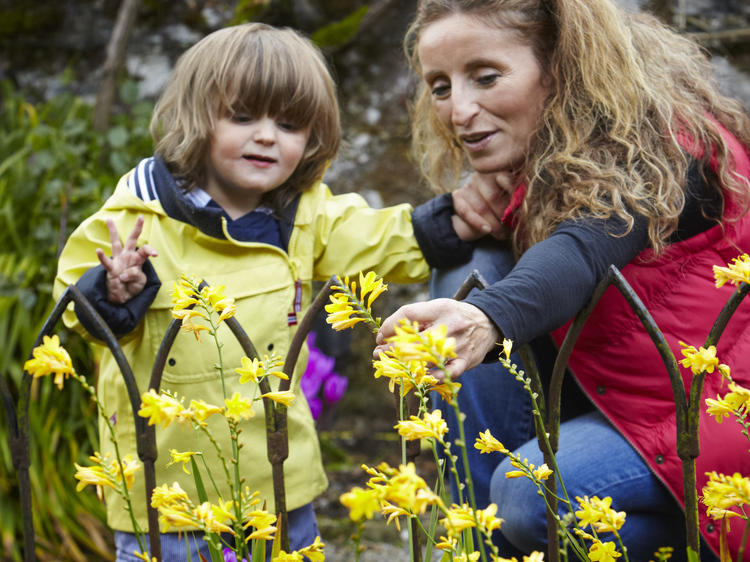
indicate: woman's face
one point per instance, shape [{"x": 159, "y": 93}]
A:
[{"x": 487, "y": 87}]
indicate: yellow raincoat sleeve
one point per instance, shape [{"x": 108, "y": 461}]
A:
[{"x": 351, "y": 237}]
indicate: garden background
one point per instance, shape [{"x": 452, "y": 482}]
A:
[{"x": 58, "y": 162}]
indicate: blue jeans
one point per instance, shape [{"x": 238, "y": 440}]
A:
[
  {"x": 490, "y": 397},
  {"x": 302, "y": 532},
  {"x": 594, "y": 460}
]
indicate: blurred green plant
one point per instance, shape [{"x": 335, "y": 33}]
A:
[{"x": 54, "y": 171}]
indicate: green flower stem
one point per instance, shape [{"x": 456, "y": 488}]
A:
[
  {"x": 469, "y": 482},
  {"x": 236, "y": 489},
  {"x": 123, "y": 488}
]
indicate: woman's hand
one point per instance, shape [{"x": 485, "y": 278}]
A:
[
  {"x": 480, "y": 205},
  {"x": 125, "y": 277},
  {"x": 473, "y": 331}
]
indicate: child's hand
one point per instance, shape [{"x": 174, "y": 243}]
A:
[
  {"x": 125, "y": 277},
  {"x": 480, "y": 204}
]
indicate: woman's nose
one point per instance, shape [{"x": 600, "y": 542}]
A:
[{"x": 464, "y": 107}]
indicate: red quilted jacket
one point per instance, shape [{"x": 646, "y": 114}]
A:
[{"x": 620, "y": 369}]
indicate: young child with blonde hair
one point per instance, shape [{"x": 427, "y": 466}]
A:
[{"x": 243, "y": 132}]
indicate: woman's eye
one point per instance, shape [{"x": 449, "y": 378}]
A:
[
  {"x": 441, "y": 90},
  {"x": 488, "y": 79}
]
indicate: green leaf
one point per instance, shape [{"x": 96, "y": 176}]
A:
[
  {"x": 117, "y": 137},
  {"x": 339, "y": 32}
]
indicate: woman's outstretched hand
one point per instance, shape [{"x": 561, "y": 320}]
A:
[
  {"x": 125, "y": 277},
  {"x": 473, "y": 331},
  {"x": 480, "y": 205}
]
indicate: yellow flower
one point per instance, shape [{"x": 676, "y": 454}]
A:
[
  {"x": 408, "y": 490},
  {"x": 472, "y": 557},
  {"x": 162, "y": 408},
  {"x": 184, "y": 458},
  {"x": 507, "y": 347},
  {"x": 599, "y": 514},
  {"x": 723, "y": 493},
  {"x": 447, "y": 543},
  {"x": 284, "y": 397},
  {"x": 362, "y": 503},
  {"x": 238, "y": 407},
  {"x": 603, "y": 552},
  {"x": 183, "y": 294},
  {"x": 213, "y": 518},
  {"x": 315, "y": 551},
  {"x": 255, "y": 369},
  {"x": 393, "y": 512},
  {"x": 736, "y": 401},
  {"x": 735, "y": 273},
  {"x": 201, "y": 410},
  {"x": 214, "y": 297},
  {"x": 50, "y": 358},
  {"x": 543, "y": 472},
  {"x": 486, "y": 518},
  {"x": 431, "y": 425},
  {"x": 176, "y": 515},
  {"x": 144, "y": 556},
  {"x": 340, "y": 312},
  {"x": 448, "y": 390},
  {"x": 486, "y": 443},
  {"x": 699, "y": 360},
  {"x": 251, "y": 370},
  {"x": 106, "y": 473},
  {"x": 283, "y": 556},
  {"x": 534, "y": 557},
  {"x": 165, "y": 495},
  {"x": 457, "y": 519},
  {"x": 396, "y": 371},
  {"x": 373, "y": 285},
  {"x": 263, "y": 522},
  {"x": 431, "y": 346},
  {"x": 93, "y": 475},
  {"x": 188, "y": 322}
]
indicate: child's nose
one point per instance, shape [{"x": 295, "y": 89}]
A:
[{"x": 264, "y": 131}]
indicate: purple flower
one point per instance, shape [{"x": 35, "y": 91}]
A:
[
  {"x": 316, "y": 406},
  {"x": 230, "y": 556},
  {"x": 334, "y": 388}
]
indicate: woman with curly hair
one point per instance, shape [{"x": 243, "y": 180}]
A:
[{"x": 590, "y": 136}]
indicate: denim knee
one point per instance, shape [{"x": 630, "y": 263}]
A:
[{"x": 522, "y": 508}]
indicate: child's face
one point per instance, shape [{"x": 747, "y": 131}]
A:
[{"x": 250, "y": 157}]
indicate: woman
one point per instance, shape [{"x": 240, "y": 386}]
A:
[{"x": 587, "y": 129}]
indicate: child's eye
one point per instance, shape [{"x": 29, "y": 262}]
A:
[
  {"x": 241, "y": 118},
  {"x": 287, "y": 126}
]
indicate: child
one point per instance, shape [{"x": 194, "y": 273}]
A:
[{"x": 244, "y": 131}]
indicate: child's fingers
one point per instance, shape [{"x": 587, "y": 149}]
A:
[
  {"x": 105, "y": 260},
  {"x": 131, "y": 274},
  {"x": 131, "y": 243},
  {"x": 146, "y": 252},
  {"x": 114, "y": 238}
]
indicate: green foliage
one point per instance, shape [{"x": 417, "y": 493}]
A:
[
  {"x": 54, "y": 172},
  {"x": 339, "y": 32}
]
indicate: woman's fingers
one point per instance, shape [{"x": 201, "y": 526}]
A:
[{"x": 473, "y": 332}]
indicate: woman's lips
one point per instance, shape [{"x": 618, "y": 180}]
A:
[{"x": 478, "y": 141}]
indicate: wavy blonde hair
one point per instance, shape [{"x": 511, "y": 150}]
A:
[
  {"x": 253, "y": 69},
  {"x": 623, "y": 87}
]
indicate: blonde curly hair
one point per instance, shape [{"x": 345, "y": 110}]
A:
[
  {"x": 253, "y": 69},
  {"x": 624, "y": 87}
]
